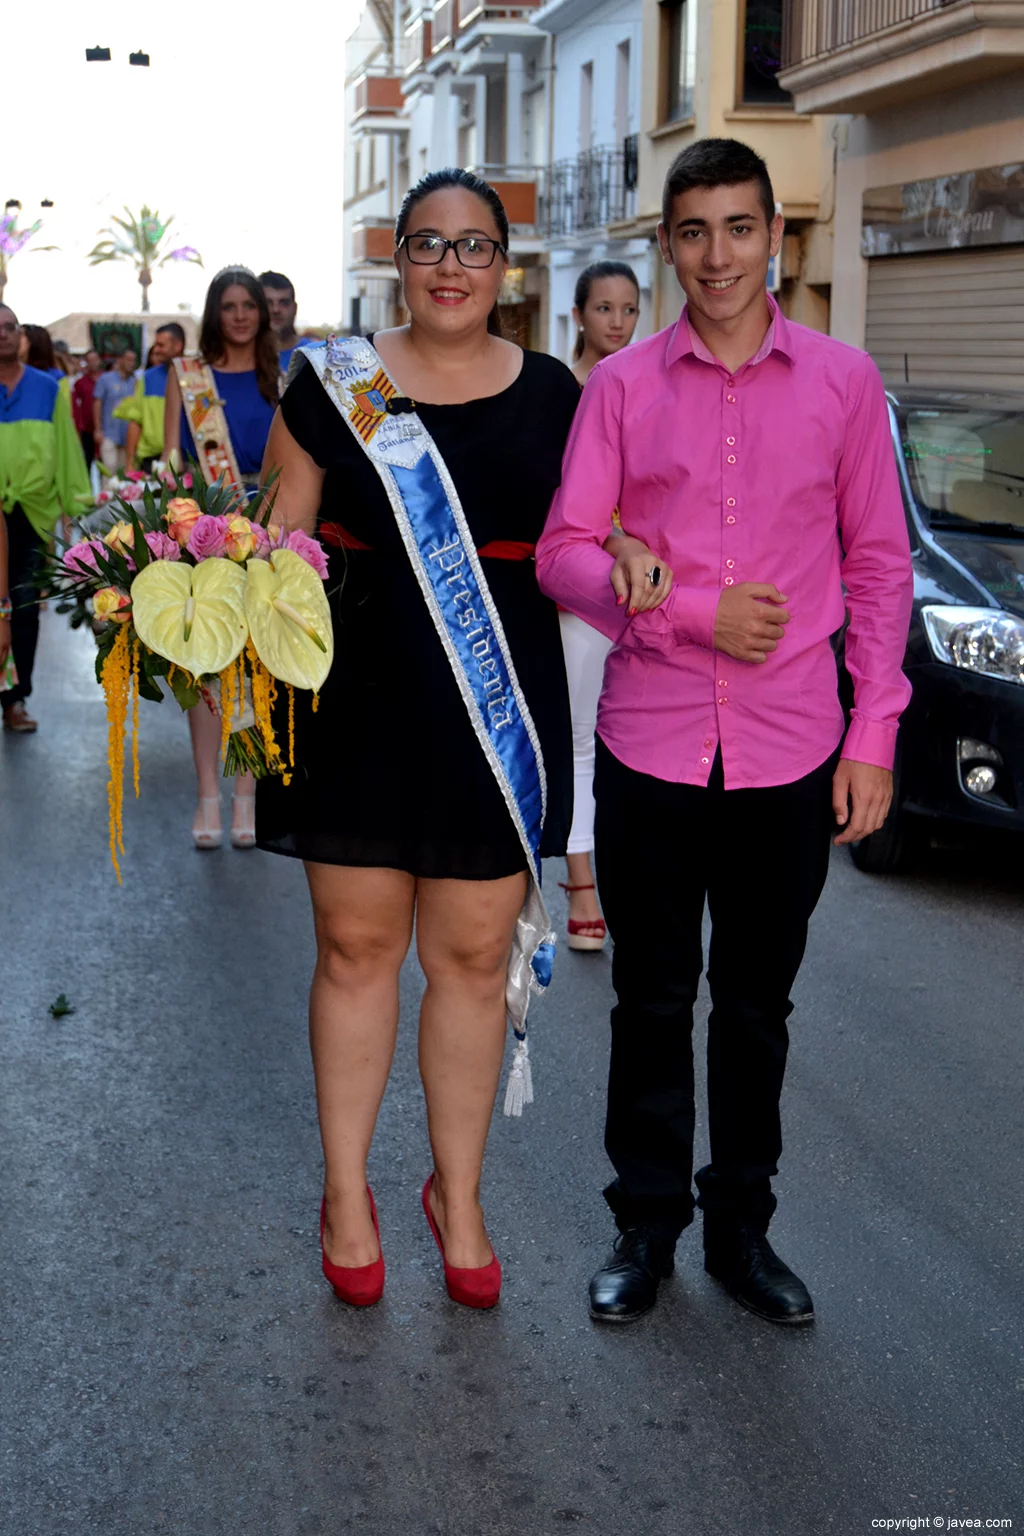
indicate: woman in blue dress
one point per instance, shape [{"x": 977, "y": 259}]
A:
[{"x": 237, "y": 343}]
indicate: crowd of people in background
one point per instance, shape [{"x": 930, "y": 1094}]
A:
[{"x": 63, "y": 413}]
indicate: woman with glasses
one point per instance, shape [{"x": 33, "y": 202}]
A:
[{"x": 395, "y": 807}]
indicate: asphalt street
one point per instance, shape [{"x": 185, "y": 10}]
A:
[{"x": 172, "y": 1360}]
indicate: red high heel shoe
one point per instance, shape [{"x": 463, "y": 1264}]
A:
[
  {"x": 469, "y": 1287},
  {"x": 360, "y": 1285}
]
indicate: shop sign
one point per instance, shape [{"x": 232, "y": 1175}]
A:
[{"x": 946, "y": 213}]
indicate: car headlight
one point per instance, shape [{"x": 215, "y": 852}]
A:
[{"x": 985, "y": 640}]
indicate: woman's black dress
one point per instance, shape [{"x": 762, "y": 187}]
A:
[{"x": 388, "y": 770}]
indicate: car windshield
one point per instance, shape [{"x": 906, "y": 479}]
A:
[{"x": 966, "y": 467}]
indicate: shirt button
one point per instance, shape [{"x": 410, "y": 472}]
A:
[
  {"x": 731, "y": 459},
  {"x": 730, "y": 519},
  {"x": 704, "y": 759},
  {"x": 731, "y": 441},
  {"x": 707, "y": 743},
  {"x": 729, "y": 564},
  {"x": 728, "y": 581},
  {"x": 722, "y": 683},
  {"x": 731, "y": 501},
  {"x": 723, "y": 701},
  {"x": 731, "y": 399}
]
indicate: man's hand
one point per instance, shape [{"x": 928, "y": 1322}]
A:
[
  {"x": 750, "y": 620},
  {"x": 869, "y": 790},
  {"x": 628, "y": 575}
]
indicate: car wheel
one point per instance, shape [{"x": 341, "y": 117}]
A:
[{"x": 885, "y": 851}]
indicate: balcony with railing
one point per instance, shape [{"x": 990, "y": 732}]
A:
[
  {"x": 464, "y": 24},
  {"x": 379, "y": 102},
  {"x": 591, "y": 190},
  {"x": 522, "y": 191},
  {"x": 862, "y": 55},
  {"x": 373, "y": 241},
  {"x": 417, "y": 44}
]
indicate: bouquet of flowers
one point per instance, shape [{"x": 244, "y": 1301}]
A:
[{"x": 194, "y": 589}]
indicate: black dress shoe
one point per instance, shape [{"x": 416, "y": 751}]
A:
[
  {"x": 752, "y": 1272},
  {"x": 626, "y": 1285}
]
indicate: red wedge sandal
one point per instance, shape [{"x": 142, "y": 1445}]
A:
[{"x": 585, "y": 935}]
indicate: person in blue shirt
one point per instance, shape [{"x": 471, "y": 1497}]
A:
[
  {"x": 280, "y": 297},
  {"x": 109, "y": 431},
  {"x": 237, "y": 344}
]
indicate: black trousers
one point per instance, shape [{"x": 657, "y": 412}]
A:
[
  {"x": 760, "y": 858},
  {"x": 25, "y": 552}
]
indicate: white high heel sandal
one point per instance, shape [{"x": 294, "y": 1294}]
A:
[
  {"x": 204, "y": 835},
  {"x": 243, "y": 835}
]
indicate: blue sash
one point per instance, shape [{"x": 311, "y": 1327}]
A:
[{"x": 443, "y": 556}]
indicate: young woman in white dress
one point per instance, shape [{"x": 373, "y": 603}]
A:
[{"x": 607, "y": 308}]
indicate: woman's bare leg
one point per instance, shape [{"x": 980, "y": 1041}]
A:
[
  {"x": 464, "y": 931},
  {"x": 363, "y": 920}
]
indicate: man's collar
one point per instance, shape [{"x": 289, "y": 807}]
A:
[{"x": 778, "y": 338}]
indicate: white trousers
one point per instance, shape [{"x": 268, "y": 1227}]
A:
[{"x": 585, "y": 651}]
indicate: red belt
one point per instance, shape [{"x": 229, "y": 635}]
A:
[{"x": 497, "y": 549}]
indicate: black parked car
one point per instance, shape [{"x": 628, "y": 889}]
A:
[{"x": 960, "y": 756}]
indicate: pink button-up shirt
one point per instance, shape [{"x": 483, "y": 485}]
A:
[{"x": 780, "y": 472}]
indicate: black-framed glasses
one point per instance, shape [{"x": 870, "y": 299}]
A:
[{"x": 431, "y": 250}]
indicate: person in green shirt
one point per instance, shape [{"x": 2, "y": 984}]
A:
[
  {"x": 42, "y": 474},
  {"x": 144, "y": 410}
]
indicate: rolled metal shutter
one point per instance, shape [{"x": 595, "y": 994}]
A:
[{"x": 954, "y": 318}]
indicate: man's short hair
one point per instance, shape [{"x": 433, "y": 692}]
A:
[
  {"x": 716, "y": 163},
  {"x": 10, "y": 311},
  {"x": 277, "y": 280},
  {"x": 172, "y": 328}
]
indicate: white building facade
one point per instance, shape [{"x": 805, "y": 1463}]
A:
[{"x": 592, "y": 176}]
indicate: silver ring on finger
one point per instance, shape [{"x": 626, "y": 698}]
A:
[{"x": 654, "y": 575}]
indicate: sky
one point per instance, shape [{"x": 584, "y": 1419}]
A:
[{"x": 237, "y": 129}]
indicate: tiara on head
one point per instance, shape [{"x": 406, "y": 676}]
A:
[{"x": 235, "y": 266}]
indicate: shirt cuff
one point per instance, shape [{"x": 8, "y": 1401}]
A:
[{"x": 870, "y": 741}]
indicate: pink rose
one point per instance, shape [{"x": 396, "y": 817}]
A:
[
  {"x": 162, "y": 546},
  {"x": 102, "y": 498},
  {"x": 208, "y": 538},
  {"x": 132, "y": 492},
  {"x": 169, "y": 480},
  {"x": 135, "y": 474},
  {"x": 260, "y": 542},
  {"x": 80, "y": 560},
  {"x": 310, "y": 550}
]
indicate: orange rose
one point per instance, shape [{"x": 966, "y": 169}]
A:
[
  {"x": 111, "y": 604},
  {"x": 182, "y": 515}
]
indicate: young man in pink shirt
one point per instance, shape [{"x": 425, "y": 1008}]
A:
[{"x": 752, "y": 465}]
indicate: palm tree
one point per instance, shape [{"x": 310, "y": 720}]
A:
[
  {"x": 141, "y": 241},
  {"x": 13, "y": 239}
]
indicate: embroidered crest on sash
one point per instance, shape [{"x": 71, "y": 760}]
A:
[
  {"x": 204, "y": 412},
  {"x": 369, "y": 403}
]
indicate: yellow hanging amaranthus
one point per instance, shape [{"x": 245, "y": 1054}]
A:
[
  {"x": 264, "y": 696},
  {"x": 136, "y": 654},
  {"x": 228, "y": 686},
  {"x": 116, "y": 677}
]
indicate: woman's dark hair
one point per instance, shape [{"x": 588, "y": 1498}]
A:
[
  {"x": 440, "y": 181},
  {"x": 211, "y": 335},
  {"x": 586, "y": 280},
  {"x": 40, "y": 347},
  {"x": 716, "y": 163}
]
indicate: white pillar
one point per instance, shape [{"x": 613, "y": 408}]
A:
[
  {"x": 514, "y": 76},
  {"x": 440, "y": 127}
]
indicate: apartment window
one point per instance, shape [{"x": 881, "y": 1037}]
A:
[
  {"x": 622, "y": 73},
  {"x": 679, "y": 21},
  {"x": 586, "y": 107},
  {"x": 761, "y": 57}
]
